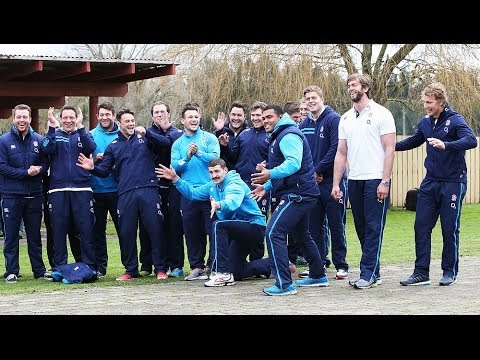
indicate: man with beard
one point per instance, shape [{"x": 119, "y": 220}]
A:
[
  {"x": 366, "y": 138},
  {"x": 248, "y": 149},
  {"x": 227, "y": 133},
  {"x": 105, "y": 191}
]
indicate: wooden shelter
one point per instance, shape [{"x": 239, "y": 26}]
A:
[{"x": 44, "y": 81}]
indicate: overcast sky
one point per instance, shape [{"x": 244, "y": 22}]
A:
[{"x": 33, "y": 49}]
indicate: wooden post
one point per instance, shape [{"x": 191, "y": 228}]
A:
[
  {"x": 92, "y": 111},
  {"x": 35, "y": 121}
]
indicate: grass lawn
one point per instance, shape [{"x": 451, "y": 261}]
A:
[{"x": 398, "y": 246}]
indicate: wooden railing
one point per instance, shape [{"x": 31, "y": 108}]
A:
[{"x": 408, "y": 172}]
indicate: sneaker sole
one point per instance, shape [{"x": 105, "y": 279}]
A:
[
  {"x": 418, "y": 283},
  {"x": 341, "y": 277},
  {"x": 365, "y": 287},
  {"x": 219, "y": 285},
  {"x": 314, "y": 285},
  {"x": 291, "y": 292},
  {"x": 197, "y": 278},
  {"x": 444, "y": 284}
]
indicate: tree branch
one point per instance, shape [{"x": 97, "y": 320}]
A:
[{"x": 350, "y": 67}]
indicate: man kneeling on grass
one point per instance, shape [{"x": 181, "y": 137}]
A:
[{"x": 241, "y": 225}]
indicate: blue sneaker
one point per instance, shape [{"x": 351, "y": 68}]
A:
[
  {"x": 56, "y": 276},
  {"x": 274, "y": 290},
  {"x": 177, "y": 273},
  {"x": 308, "y": 281}
]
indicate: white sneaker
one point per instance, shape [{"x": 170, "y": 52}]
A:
[
  {"x": 220, "y": 279},
  {"x": 341, "y": 274},
  {"x": 11, "y": 279}
]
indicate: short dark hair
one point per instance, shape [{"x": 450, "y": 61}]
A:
[
  {"x": 217, "y": 161},
  {"x": 238, "y": 104},
  {"x": 68, "y": 107},
  {"x": 22, "y": 107},
  {"x": 107, "y": 106},
  {"x": 276, "y": 108},
  {"x": 291, "y": 107},
  {"x": 124, "y": 111},
  {"x": 189, "y": 106}
]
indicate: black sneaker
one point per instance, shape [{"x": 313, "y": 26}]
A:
[
  {"x": 447, "y": 280},
  {"x": 416, "y": 279},
  {"x": 45, "y": 276},
  {"x": 301, "y": 261}
]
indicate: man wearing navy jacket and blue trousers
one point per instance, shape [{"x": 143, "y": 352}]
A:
[
  {"x": 70, "y": 197},
  {"x": 22, "y": 164},
  {"x": 289, "y": 175},
  {"x": 132, "y": 155},
  {"x": 447, "y": 136},
  {"x": 321, "y": 131}
]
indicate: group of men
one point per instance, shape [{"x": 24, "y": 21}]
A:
[{"x": 289, "y": 166}]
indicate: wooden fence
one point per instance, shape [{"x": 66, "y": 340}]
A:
[{"x": 408, "y": 172}]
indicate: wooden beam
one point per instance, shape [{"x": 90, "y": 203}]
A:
[
  {"x": 40, "y": 102},
  {"x": 148, "y": 74},
  {"x": 15, "y": 71},
  {"x": 62, "y": 73},
  {"x": 5, "y": 113},
  {"x": 19, "y": 88},
  {"x": 109, "y": 73}
]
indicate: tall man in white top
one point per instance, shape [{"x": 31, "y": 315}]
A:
[{"x": 366, "y": 138}]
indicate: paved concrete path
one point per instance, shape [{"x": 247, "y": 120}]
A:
[{"x": 246, "y": 297}]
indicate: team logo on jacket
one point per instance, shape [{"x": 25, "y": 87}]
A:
[
  {"x": 35, "y": 143},
  {"x": 13, "y": 146},
  {"x": 158, "y": 205},
  {"x": 321, "y": 132},
  {"x": 35, "y": 150},
  {"x": 447, "y": 122}
]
